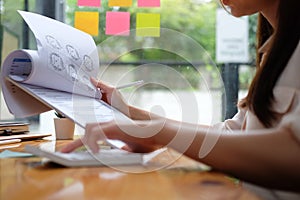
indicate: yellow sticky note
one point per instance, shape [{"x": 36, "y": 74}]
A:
[
  {"x": 148, "y": 24},
  {"x": 87, "y": 22},
  {"x": 121, "y": 3}
]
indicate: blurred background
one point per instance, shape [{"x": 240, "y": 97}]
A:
[{"x": 184, "y": 67}]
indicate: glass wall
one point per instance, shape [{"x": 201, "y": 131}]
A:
[{"x": 12, "y": 36}]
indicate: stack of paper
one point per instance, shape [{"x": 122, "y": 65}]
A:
[{"x": 13, "y": 128}]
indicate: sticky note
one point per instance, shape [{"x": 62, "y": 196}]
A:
[
  {"x": 117, "y": 23},
  {"x": 90, "y": 3},
  {"x": 148, "y": 3},
  {"x": 87, "y": 22},
  {"x": 120, "y": 3},
  {"x": 148, "y": 24}
]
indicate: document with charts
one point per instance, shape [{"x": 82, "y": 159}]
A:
[{"x": 65, "y": 60}]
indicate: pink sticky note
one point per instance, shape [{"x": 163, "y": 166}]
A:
[
  {"x": 148, "y": 3},
  {"x": 91, "y": 3},
  {"x": 117, "y": 23}
]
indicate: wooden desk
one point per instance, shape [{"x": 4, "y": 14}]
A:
[{"x": 30, "y": 178}]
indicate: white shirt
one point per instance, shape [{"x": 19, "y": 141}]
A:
[{"x": 287, "y": 104}]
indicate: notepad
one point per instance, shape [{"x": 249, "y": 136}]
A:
[
  {"x": 12, "y": 128},
  {"x": 85, "y": 158},
  {"x": 25, "y": 136}
]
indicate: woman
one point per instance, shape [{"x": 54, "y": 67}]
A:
[{"x": 266, "y": 129}]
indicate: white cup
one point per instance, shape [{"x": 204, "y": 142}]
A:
[{"x": 64, "y": 129}]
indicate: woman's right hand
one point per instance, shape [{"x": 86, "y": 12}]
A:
[
  {"x": 139, "y": 136},
  {"x": 111, "y": 96}
]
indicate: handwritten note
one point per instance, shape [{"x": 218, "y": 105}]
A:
[
  {"x": 148, "y": 3},
  {"x": 117, "y": 23},
  {"x": 148, "y": 24},
  {"x": 87, "y": 22},
  {"x": 90, "y": 3},
  {"x": 120, "y": 3}
]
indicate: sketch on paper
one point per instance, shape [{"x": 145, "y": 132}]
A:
[
  {"x": 72, "y": 52},
  {"x": 64, "y": 60},
  {"x": 88, "y": 63},
  {"x": 53, "y": 42},
  {"x": 72, "y": 73},
  {"x": 56, "y": 62}
]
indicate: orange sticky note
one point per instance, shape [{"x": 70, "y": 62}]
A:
[
  {"x": 90, "y": 3},
  {"x": 121, "y": 3},
  {"x": 87, "y": 22},
  {"x": 117, "y": 23},
  {"x": 148, "y": 24}
]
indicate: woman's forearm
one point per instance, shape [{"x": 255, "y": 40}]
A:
[
  {"x": 252, "y": 156},
  {"x": 140, "y": 114}
]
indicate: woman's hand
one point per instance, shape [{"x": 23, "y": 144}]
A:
[
  {"x": 139, "y": 136},
  {"x": 111, "y": 96}
]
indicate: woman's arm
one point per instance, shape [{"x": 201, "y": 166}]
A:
[{"x": 269, "y": 157}]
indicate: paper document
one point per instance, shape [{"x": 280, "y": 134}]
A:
[
  {"x": 85, "y": 158},
  {"x": 12, "y": 128},
  {"x": 81, "y": 109},
  {"x": 65, "y": 60},
  {"x": 56, "y": 75}
]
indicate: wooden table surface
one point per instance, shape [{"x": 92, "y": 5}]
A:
[{"x": 167, "y": 176}]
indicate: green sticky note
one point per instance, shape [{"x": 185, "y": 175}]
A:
[{"x": 148, "y": 24}]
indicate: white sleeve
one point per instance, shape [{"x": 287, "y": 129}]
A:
[
  {"x": 234, "y": 123},
  {"x": 292, "y": 121}
]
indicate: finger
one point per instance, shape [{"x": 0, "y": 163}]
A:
[
  {"x": 72, "y": 146},
  {"x": 94, "y": 81},
  {"x": 99, "y": 84},
  {"x": 127, "y": 148},
  {"x": 92, "y": 136}
]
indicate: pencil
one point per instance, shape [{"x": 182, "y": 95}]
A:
[{"x": 136, "y": 83}]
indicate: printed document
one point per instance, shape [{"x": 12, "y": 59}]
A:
[
  {"x": 65, "y": 60},
  {"x": 56, "y": 75}
]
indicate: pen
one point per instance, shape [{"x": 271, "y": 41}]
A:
[
  {"x": 136, "y": 83},
  {"x": 9, "y": 141}
]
